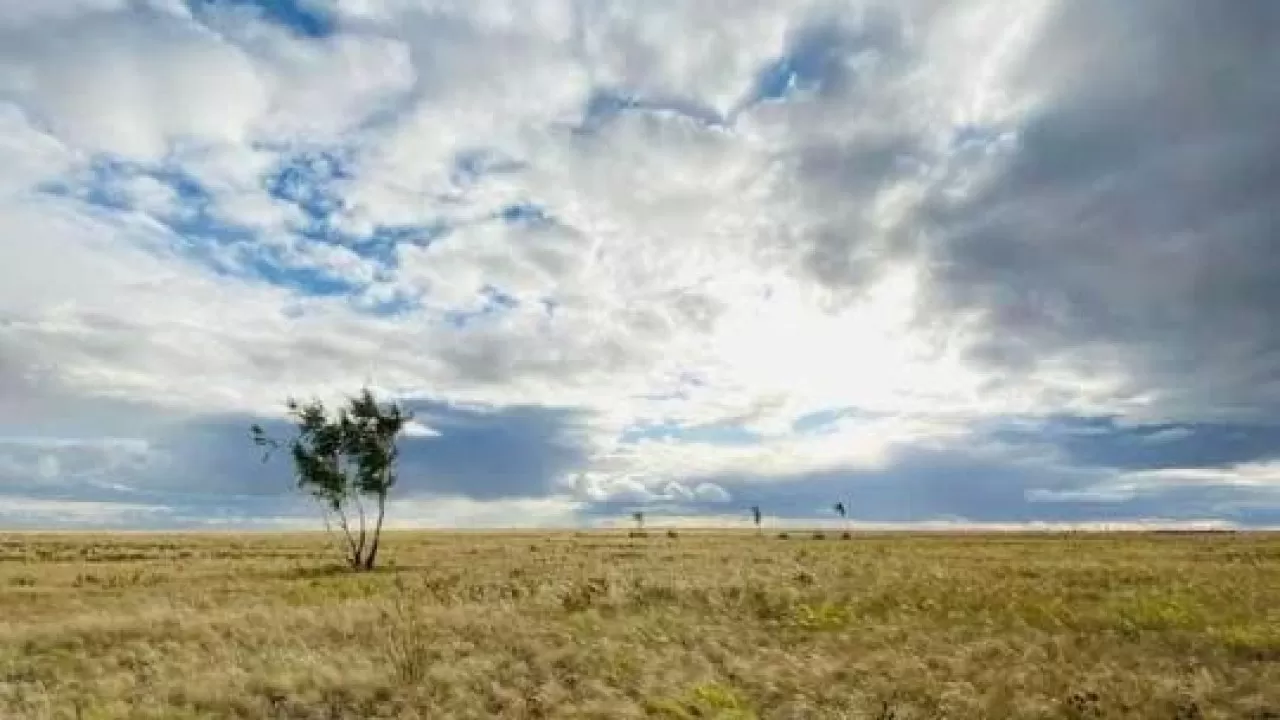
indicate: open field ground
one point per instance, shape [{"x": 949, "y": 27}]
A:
[{"x": 601, "y": 625}]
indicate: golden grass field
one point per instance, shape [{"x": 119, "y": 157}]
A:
[{"x": 601, "y": 625}]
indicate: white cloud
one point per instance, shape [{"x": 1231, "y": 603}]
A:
[
  {"x": 110, "y": 95},
  {"x": 16, "y": 511},
  {"x": 416, "y": 429},
  {"x": 710, "y": 492},
  {"x": 848, "y": 444},
  {"x": 17, "y": 15},
  {"x": 634, "y": 292},
  {"x": 696, "y": 256},
  {"x": 452, "y": 512},
  {"x": 635, "y": 489}
]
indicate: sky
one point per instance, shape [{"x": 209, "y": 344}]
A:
[{"x": 949, "y": 263}]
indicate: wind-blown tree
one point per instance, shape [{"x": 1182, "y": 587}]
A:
[
  {"x": 638, "y": 518},
  {"x": 756, "y": 516},
  {"x": 345, "y": 459}
]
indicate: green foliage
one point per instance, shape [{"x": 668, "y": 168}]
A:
[
  {"x": 710, "y": 700},
  {"x": 825, "y": 615},
  {"x": 343, "y": 459}
]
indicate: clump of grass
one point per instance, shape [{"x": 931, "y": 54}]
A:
[
  {"x": 406, "y": 646},
  {"x": 647, "y": 594},
  {"x": 1084, "y": 705},
  {"x": 709, "y": 700},
  {"x": 822, "y": 616},
  {"x": 585, "y": 594}
]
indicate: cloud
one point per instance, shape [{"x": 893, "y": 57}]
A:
[
  {"x": 1128, "y": 228},
  {"x": 108, "y": 96},
  {"x": 711, "y": 493},
  {"x": 26, "y": 513},
  {"x": 1104, "y": 442},
  {"x": 991, "y": 261}
]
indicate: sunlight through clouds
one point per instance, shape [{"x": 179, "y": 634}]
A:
[{"x": 670, "y": 255}]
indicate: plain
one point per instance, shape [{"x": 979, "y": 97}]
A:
[{"x": 669, "y": 625}]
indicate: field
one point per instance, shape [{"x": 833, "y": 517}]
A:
[{"x": 602, "y": 625}]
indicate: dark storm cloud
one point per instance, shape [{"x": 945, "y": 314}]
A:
[
  {"x": 918, "y": 485},
  {"x": 209, "y": 465},
  {"x": 514, "y": 452},
  {"x": 1133, "y": 220},
  {"x": 1102, "y": 442},
  {"x": 1001, "y": 485},
  {"x": 849, "y": 68},
  {"x": 1138, "y": 212}
]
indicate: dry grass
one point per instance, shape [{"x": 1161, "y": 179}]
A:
[{"x": 603, "y": 625}]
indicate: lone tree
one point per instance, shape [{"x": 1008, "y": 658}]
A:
[
  {"x": 841, "y": 511},
  {"x": 756, "y": 516},
  {"x": 638, "y": 517},
  {"x": 345, "y": 459}
]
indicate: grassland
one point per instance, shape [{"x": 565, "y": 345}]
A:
[{"x": 606, "y": 626}]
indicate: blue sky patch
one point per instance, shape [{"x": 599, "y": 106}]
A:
[
  {"x": 302, "y": 17},
  {"x": 810, "y": 63},
  {"x": 712, "y": 434},
  {"x": 524, "y": 214},
  {"x": 606, "y": 104},
  {"x": 816, "y": 422},
  {"x": 308, "y": 180},
  {"x": 103, "y": 183},
  {"x": 311, "y": 181}
]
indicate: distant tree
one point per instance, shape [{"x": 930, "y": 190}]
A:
[
  {"x": 344, "y": 459},
  {"x": 843, "y": 512},
  {"x": 756, "y": 516},
  {"x": 638, "y": 518}
]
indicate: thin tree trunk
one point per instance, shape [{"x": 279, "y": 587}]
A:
[
  {"x": 335, "y": 461},
  {"x": 328, "y": 526},
  {"x": 363, "y": 523},
  {"x": 354, "y": 554},
  {"x": 372, "y": 557}
]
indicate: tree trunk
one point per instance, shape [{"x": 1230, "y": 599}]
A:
[
  {"x": 353, "y": 554},
  {"x": 360, "y": 544},
  {"x": 372, "y": 557}
]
